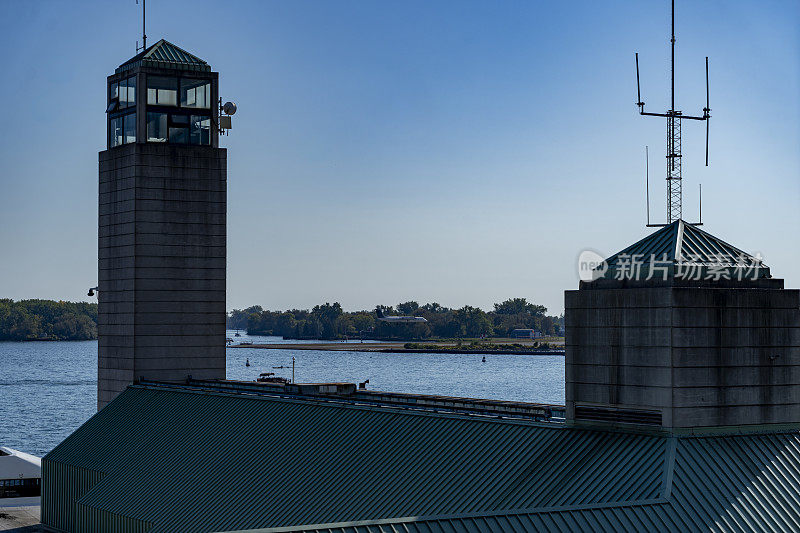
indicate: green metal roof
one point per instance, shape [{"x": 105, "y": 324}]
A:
[
  {"x": 743, "y": 483},
  {"x": 683, "y": 247},
  {"x": 164, "y": 54},
  {"x": 160, "y": 459}
]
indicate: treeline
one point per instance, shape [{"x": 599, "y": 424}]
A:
[
  {"x": 46, "y": 319},
  {"x": 330, "y": 321}
]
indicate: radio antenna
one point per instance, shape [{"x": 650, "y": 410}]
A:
[
  {"x": 674, "y": 118},
  {"x": 647, "y": 179},
  {"x": 144, "y": 34}
]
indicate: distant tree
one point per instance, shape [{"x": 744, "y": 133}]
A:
[
  {"x": 47, "y": 319},
  {"x": 363, "y": 321},
  {"x": 327, "y": 315},
  {"x": 285, "y": 324},
  {"x": 330, "y": 321},
  {"x": 472, "y": 322},
  {"x": 434, "y": 308},
  {"x": 385, "y": 309},
  {"x": 407, "y": 308},
  {"x": 514, "y": 306},
  {"x": 238, "y": 318}
]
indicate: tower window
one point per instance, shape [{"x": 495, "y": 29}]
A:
[
  {"x": 122, "y": 130},
  {"x": 162, "y": 91},
  {"x": 200, "y": 130},
  {"x": 179, "y": 129},
  {"x": 115, "y": 132},
  {"x": 122, "y": 94},
  {"x": 156, "y": 127},
  {"x": 195, "y": 93},
  {"x": 127, "y": 92},
  {"x": 129, "y": 127}
]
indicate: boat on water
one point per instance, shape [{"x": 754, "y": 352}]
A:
[{"x": 20, "y": 477}]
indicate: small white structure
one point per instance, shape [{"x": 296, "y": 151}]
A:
[{"x": 20, "y": 474}]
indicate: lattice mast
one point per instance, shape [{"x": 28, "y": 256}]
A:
[{"x": 674, "y": 118}]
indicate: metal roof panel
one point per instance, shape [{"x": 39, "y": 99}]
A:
[{"x": 162, "y": 459}]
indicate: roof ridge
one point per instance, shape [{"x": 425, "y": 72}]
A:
[
  {"x": 162, "y": 42},
  {"x": 152, "y": 47},
  {"x": 475, "y": 514},
  {"x": 165, "y": 54},
  {"x": 679, "y": 240},
  {"x": 666, "y": 229},
  {"x": 350, "y": 403}
]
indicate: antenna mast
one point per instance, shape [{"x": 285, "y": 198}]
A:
[
  {"x": 144, "y": 34},
  {"x": 674, "y": 118}
]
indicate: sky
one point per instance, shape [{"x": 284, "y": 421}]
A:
[{"x": 384, "y": 151}]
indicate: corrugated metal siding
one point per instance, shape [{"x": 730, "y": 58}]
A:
[
  {"x": 177, "y": 459},
  {"x": 648, "y": 516},
  {"x": 92, "y": 520},
  {"x": 260, "y": 462},
  {"x": 62, "y": 486},
  {"x": 741, "y": 484}
]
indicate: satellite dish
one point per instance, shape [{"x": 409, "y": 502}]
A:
[{"x": 229, "y": 108}]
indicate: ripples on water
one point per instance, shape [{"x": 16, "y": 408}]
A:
[{"x": 48, "y": 389}]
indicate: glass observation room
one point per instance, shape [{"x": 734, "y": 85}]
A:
[
  {"x": 122, "y": 111},
  {"x": 177, "y": 110}
]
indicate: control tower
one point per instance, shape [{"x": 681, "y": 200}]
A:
[{"x": 162, "y": 229}]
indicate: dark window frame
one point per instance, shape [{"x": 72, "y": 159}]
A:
[
  {"x": 121, "y": 115},
  {"x": 118, "y": 110},
  {"x": 206, "y": 81},
  {"x": 177, "y": 91}
]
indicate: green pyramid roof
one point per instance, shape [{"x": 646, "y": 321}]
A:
[
  {"x": 164, "y": 54},
  {"x": 683, "y": 250}
]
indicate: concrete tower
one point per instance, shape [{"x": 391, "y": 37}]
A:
[
  {"x": 162, "y": 224},
  {"x": 682, "y": 332}
]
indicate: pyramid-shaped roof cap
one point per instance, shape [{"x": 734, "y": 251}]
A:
[
  {"x": 164, "y": 54},
  {"x": 682, "y": 250}
]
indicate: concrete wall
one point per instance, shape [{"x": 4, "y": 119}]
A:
[
  {"x": 703, "y": 357},
  {"x": 162, "y": 250}
]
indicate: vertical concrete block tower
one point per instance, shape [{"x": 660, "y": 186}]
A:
[
  {"x": 684, "y": 333},
  {"x": 163, "y": 191}
]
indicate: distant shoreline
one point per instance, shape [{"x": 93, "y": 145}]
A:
[{"x": 395, "y": 347}]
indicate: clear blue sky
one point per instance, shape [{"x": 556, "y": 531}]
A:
[{"x": 458, "y": 152}]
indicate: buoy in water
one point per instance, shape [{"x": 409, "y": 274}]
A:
[
  {"x": 247, "y": 363},
  {"x": 484, "y": 359}
]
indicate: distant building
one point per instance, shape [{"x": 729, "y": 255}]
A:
[
  {"x": 523, "y": 334},
  {"x": 20, "y": 475}
]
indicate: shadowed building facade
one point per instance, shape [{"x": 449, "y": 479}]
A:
[{"x": 162, "y": 224}]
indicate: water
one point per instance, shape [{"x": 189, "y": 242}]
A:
[{"x": 48, "y": 389}]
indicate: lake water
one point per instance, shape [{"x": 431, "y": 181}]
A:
[{"x": 48, "y": 389}]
